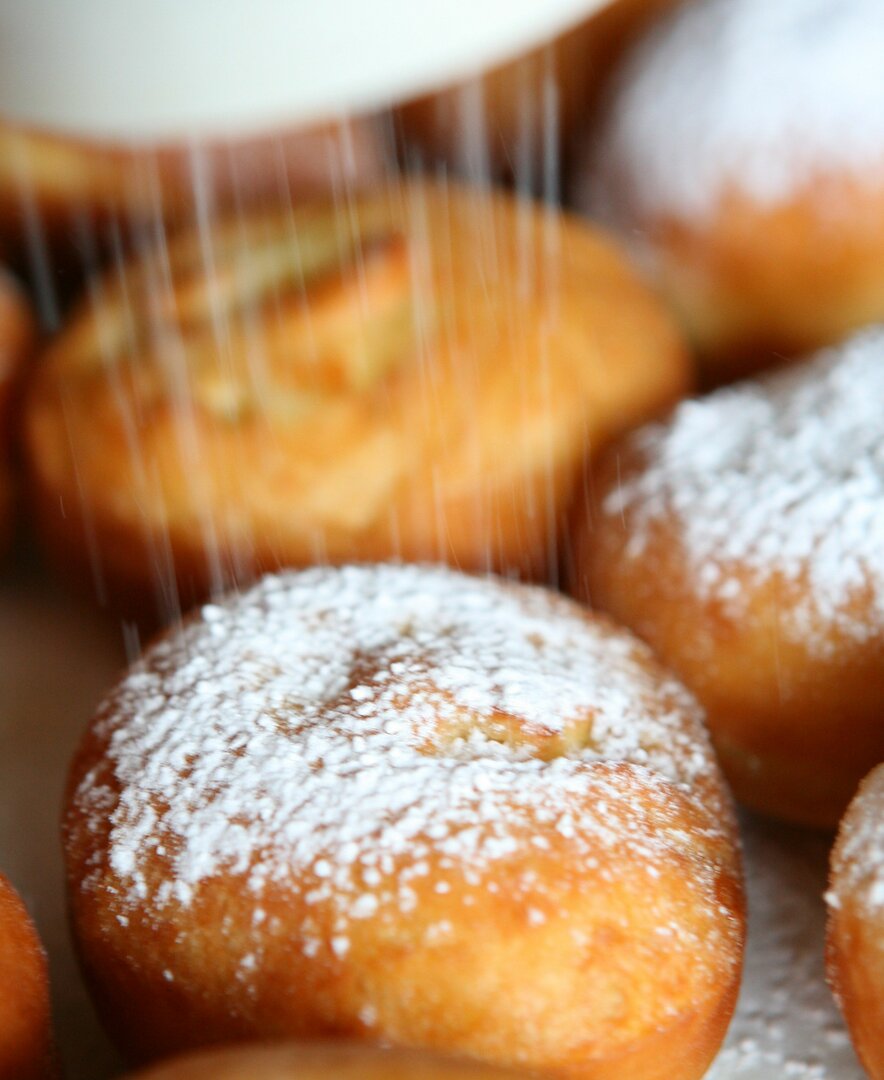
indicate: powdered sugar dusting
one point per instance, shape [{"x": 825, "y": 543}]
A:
[
  {"x": 757, "y": 95},
  {"x": 858, "y": 858},
  {"x": 784, "y": 476},
  {"x": 331, "y": 722}
]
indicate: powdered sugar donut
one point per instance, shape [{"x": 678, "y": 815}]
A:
[
  {"x": 744, "y": 540},
  {"x": 743, "y": 155},
  {"x": 329, "y": 1061},
  {"x": 25, "y": 1042},
  {"x": 404, "y": 804},
  {"x": 855, "y": 933}
]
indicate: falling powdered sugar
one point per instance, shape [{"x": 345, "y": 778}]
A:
[
  {"x": 780, "y": 477},
  {"x": 755, "y": 95},
  {"x": 330, "y": 724}
]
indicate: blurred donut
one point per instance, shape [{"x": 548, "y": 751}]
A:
[
  {"x": 17, "y": 339},
  {"x": 742, "y": 158},
  {"x": 328, "y": 1061},
  {"x": 402, "y": 804},
  {"x": 855, "y": 931},
  {"x": 25, "y": 1040},
  {"x": 65, "y": 203},
  {"x": 418, "y": 374},
  {"x": 744, "y": 540}
]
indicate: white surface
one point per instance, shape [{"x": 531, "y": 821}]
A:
[
  {"x": 157, "y": 69},
  {"x": 787, "y": 1026},
  {"x": 56, "y": 659},
  {"x": 57, "y": 656}
]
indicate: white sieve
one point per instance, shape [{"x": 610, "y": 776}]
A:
[{"x": 143, "y": 70}]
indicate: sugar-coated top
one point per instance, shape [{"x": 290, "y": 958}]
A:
[
  {"x": 783, "y": 476},
  {"x": 858, "y": 859},
  {"x": 759, "y": 95},
  {"x": 328, "y": 724}
]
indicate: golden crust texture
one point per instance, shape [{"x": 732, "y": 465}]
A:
[
  {"x": 328, "y": 1061},
  {"x": 754, "y": 284},
  {"x": 397, "y": 803},
  {"x": 855, "y": 931},
  {"x": 766, "y": 237},
  {"x": 25, "y": 1035},
  {"x": 418, "y": 374},
  {"x": 57, "y": 191},
  {"x": 16, "y": 342},
  {"x": 742, "y": 540}
]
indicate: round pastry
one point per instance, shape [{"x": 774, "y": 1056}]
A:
[
  {"x": 855, "y": 932},
  {"x": 744, "y": 540},
  {"x": 25, "y": 1042},
  {"x": 16, "y": 341},
  {"x": 521, "y": 117},
  {"x": 315, "y": 1061},
  {"x": 419, "y": 377},
  {"x": 60, "y": 195},
  {"x": 742, "y": 156},
  {"x": 402, "y": 804}
]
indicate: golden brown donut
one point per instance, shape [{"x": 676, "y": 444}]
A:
[
  {"x": 742, "y": 157},
  {"x": 744, "y": 540},
  {"x": 402, "y": 804},
  {"x": 522, "y": 116},
  {"x": 855, "y": 930},
  {"x": 59, "y": 193},
  {"x": 419, "y": 376},
  {"x": 25, "y": 1027},
  {"x": 319, "y": 1061},
  {"x": 16, "y": 342}
]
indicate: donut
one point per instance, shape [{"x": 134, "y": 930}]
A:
[
  {"x": 741, "y": 156},
  {"x": 401, "y": 804},
  {"x": 743, "y": 538},
  {"x": 855, "y": 927},
  {"x": 25, "y": 1043},
  {"x": 328, "y": 1061},
  {"x": 419, "y": 377},
  {"x": 65, "y": 203},
  {"x": 523, "y": 116},
  {"x": 16, "y": 342}
]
